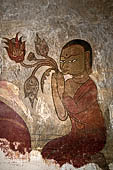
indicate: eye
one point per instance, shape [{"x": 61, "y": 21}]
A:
[
  {"x": 74, "y": 60},
  {"x": 62, "y": 61}
]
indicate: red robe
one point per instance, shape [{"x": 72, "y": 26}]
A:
[{"x": 88, "y": 133}]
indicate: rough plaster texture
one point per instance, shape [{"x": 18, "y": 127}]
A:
[
  {"x": 37, "y": 163},
  {"x": 58, "y": 21}
]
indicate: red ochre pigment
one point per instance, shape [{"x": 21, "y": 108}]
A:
[
  {"x": 14, "y": 129},
  {"x": 88, "y": 133}
]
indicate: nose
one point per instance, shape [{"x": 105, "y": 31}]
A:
[{"x": 64, "y": 66}]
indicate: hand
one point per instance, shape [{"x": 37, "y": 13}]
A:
[
  {"x": 59, "y": 76},
  {"x": 58, "y": 83},
  {"x": 54, "y": 76}
]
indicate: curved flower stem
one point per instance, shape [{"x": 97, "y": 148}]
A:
[
  {"x": 53, "y": 61},
  {"x": 39, "y": 61},
  {"x": 28, "y": 65},
  {"x": 40, "y": 65},
  {"x": 48, "y": 61}
]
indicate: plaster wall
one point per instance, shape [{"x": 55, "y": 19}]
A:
[{"x": 57, "y": 21}]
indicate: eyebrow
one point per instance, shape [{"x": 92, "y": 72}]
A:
[{"x": 70, "y": 56}]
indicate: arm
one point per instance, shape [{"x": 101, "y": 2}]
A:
[
  {"x": 86, "y": 100},
  {"x": 57, "y": 85}
]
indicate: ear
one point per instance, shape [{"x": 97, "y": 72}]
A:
[{"x": 87, "y": 62}]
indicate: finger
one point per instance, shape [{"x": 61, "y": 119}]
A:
[{"x": 54, "y": 75}]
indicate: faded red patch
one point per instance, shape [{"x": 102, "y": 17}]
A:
[
  {"x": 5, "y": 147},
  {"x": 14, "y": 130}
]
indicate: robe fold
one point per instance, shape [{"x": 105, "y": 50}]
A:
[{"x": 88, "y": 133}]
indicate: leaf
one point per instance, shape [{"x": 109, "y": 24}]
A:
[
  {"x": 31, "y": 87},
  {"x": 44, "y": 76}
]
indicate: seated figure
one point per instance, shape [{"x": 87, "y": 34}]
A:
[{"x": 76, "y": 98}]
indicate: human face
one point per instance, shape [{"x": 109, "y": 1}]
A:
[{"x": 72, "y": 60}]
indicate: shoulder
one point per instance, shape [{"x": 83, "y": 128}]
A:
[
  {"x": 90, "y": 83},
  {"x": 88, "y": 86}
]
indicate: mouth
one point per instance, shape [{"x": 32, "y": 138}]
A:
[{"x": 65, "y": 71}]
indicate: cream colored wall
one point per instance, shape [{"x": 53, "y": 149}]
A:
[{"x": 57, "y": 21}]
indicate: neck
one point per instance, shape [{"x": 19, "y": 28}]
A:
[{"x": 81, "y": 78}]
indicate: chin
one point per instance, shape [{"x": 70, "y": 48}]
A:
[{"x": 65, "y": 72}]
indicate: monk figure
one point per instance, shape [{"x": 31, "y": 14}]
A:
[{"x": 76, "y": 98}]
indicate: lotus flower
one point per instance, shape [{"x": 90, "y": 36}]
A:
[
  {"x": 31, "y": 87},
  {"x": 41, "y": 46},
  {"x": 15, "y": 49}
]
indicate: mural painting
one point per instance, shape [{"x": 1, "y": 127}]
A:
[
  {"x": 74, "y": 98},
  {"x": 14, "y": 130}
]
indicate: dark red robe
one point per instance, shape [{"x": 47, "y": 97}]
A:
[
  {"x": 88, "y": 133},
  {"x": 14, "y": 129}
]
